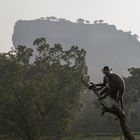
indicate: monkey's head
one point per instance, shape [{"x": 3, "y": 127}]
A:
[{"x": 106, "y": 70}]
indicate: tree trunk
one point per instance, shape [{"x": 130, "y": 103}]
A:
[{"x": 117, "y": 111}]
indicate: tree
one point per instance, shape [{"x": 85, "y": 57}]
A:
[
  {"x": 53, "y": 18},
  {"x": 136, "y": 36},
  {"x": 133, "y": 87},
  {"x": 87, "y": 21},
  {"x": 62, "y": 20},
  {"x": 117, "y": 111},
  {"x": 42, "y": 18},
  {"x": 95, "y": 21},
  {"x": 40, "y": 98},
  {"x": 101, "y": 21},
  {"x": 80, "y": 20}
]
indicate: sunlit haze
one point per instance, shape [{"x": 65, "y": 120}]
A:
[{"x": 122, "y": 13}]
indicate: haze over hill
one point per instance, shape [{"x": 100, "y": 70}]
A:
[{"x": 105, "y": 45}]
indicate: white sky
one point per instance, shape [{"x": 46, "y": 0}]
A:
[{"x": 125, "y": 14}]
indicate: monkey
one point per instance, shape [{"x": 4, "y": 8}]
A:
[{"x": 113, "y": 86}]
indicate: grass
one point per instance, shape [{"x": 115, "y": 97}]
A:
[{"x": 101, "y": 137}]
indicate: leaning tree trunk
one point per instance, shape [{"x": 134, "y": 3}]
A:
[{"x": 119, "y": 113}]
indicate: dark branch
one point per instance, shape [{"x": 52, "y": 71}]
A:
[{"x": 117, "y": 111}]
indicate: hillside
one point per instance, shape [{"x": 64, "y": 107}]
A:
[{"x": 105, "y": 45}]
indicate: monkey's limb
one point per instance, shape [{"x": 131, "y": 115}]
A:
[
  {"x": 121, "y": 101},
  {"x": 104, "y": 90},
  {"x": 87, "y": 85},
  {"x": 99, "y": 88},
  {"x": 104, "y": 96},
  {"x": 104, "y": 93},
  {"x": 120, "y": 114}
]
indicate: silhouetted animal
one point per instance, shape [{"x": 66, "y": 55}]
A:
[{"x": 113, "y": 86}]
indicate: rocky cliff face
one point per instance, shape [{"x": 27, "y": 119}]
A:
[{"x": 105, "y": 45}]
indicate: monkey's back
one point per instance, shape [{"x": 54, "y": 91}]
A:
[{"x": 116, "y": 80}]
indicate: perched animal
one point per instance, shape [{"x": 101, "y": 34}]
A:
[{"x": 113, "y": 86}]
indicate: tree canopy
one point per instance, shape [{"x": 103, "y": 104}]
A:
[{"x": 40, "y": 90}]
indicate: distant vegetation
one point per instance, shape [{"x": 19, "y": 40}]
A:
[
  {"x": 40, "y": 99},
  {"x": 41, "y": 94}
]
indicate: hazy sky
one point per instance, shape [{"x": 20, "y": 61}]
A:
[{"x": 125, "y": 14}]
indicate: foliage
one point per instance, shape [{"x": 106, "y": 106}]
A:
[
  {"x": 133, "y": 86},
  {"x": 90, "y": 120},
  {"x": 40, "y": 92}
]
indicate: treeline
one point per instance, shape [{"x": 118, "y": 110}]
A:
[
  {"x": 40, "y": 92},
  {"x": 91, "y": 121},
  {"x": 42, "y": 96}
]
